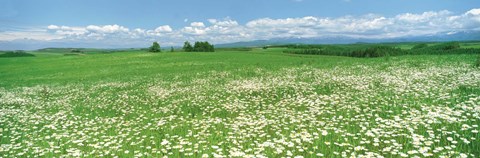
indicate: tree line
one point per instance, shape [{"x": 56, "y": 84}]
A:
[
  {"x": 369, "y": 51},
  {"x": 187, "y": 47},
  {"x": 198, "y": 47}
]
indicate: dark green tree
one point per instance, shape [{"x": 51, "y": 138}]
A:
[
  {"x": 172, "y": 50},
  {"x": 203, "y": 47},
  {"x": 197, "y": 47},
  {"x": 187, "y": 47},
  {"x": 155, "y": 47}
]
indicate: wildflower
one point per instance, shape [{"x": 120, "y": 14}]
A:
[
  {"x": 324, "y": 132},
  {"x": 449, "y": 138}
]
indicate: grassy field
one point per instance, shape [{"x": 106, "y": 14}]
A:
[{"x": 259, "y": 103}]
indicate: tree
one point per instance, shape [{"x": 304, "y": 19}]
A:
[
  {"x": 203, "y": 47},
  {"x": 198, "y": 47},
  {"x": 172, "y": 50},
  {"x": 155, "y": 47},
  {"x": 187, "y": 47}
]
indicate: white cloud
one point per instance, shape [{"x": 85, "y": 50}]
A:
[
  {"x": 106, "y": 29},
  {"x": 53, "y": 27},
  {"x": 163, "y": 29},
  {"x": 197, "y": 24},
  {"x": 193, "y": 30},
  {"x": 228, "y": 30},
  {"x": 473, "y": 12}
]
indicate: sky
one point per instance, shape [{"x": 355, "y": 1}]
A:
[{"x": 137, "y": 23}]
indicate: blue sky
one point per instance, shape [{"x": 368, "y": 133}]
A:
[{"x": 223, "y": 21}]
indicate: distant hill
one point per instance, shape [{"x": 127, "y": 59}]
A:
[
  {"x": 28, "y": 44},
  {"x": 441, "y": 37}
]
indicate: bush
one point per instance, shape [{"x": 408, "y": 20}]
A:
[
  {"x": 17, "y": 53},
  {"x": 420, "y": 46},
  {"x": 76, "y": 51},
  {"x": 447, "y": 46}
]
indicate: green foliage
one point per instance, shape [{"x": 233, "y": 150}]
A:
[
  {"x": 187, "y": 47},
  {"x": 155, "y": 47},
  {"x": 446, "y": 46},
  {"x": 198, "y": 47},
  {"x": 420, "y": 46},
  {"x": 17, "y": 53},
  {"x": 265, "y": 47},
  {"x": 172, "y": 50},
  {"x": 477, "y": 62},
  {"x": 76, "y": 51},
  {"x": 72, "y": 54},
  {"x": 378, "y": 50},
  {"x": 203, "y": 47},
  {"x": 352, "y": 51}
]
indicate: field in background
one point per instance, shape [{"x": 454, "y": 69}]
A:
[{"x": 237, "y": 103}]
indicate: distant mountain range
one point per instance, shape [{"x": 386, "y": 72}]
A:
[
  {"x": 28, "y": 44},
  {"x": 445, "y": 36}
]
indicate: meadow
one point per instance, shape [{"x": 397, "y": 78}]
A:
[{"x": 238, "y": 103}]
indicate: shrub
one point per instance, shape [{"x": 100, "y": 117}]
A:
[
  {"x": 420, "y": 46},
  {"x": 76, "y": 51},
  {"x": 447, "y": 46},
  {"x": 17, "y": 53}
]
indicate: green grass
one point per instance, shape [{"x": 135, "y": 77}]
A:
[
  {"x": 473, "y": 44},
  {"x": 261, "y": 102}
]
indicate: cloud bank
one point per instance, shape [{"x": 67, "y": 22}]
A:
[{"x": 371, "y": 26}]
